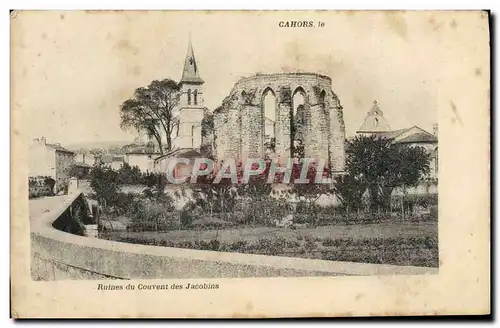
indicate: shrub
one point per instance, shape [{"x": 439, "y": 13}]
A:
[
  {"x": 186, "y": 215},
  {"x": 240, "y": 246},
  {"x": 152, "y": 215},
  {"x": 309, "y": 219},
  {"x": 40, "y": 186},
  {"x": 310, "y": 245}
]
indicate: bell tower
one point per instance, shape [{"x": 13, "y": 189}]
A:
[
  {"x": 375, "y": 122},
  {"x": 191, "y": 109}
]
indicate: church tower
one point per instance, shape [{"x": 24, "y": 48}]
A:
[
  {"x": 375, "y": 122},
  {"x": 191, "y": 108}
]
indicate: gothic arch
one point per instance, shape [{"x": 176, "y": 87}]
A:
[
  {"x": 322, "y": 97},
  {"x": 266, "y": 89},
  {"x": 189, "y": 96},
  {"x": 268, "y": 107},
  {"x": 195, "y": 96},
  {"x": 298, "y": 121}
]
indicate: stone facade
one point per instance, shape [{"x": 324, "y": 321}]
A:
[
  {"x": 239, "y": 123},
  {"x": 50, "y": 160}
]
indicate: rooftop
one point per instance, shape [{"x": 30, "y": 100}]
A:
[
  {"x": 109, "y": 158},
  {"x": 58, "y": 147},
  {"x": 419, "y": 137}
]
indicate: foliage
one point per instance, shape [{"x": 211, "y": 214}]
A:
[
  {"x": 285, "y": 95},
  {"x": 249, "y": 96},
  {"x": 311, "y": 190},
  {"x": 151, "y": 110},
  {"x": 104, "y": 183},
  {"x": 207, "y": 125},
  {"x": 350, "y": 190},
  {"x": 41, "y": 186},
  {"x": 187, "y": 215},
  {"x": 211, "y": 224},
  {"x": 379, "y": 165},
  {"x": 129, "y": 175},
  {"x": 154, "y": 213},
  {"x": 270, "y": 144}
]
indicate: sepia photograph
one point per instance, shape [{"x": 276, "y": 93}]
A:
[{"x": 161, "y": 146}]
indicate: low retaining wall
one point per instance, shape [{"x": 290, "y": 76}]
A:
[{"x": 59, "y": 255}]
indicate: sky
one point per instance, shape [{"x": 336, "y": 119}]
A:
[{"x": 72, "y": 70}]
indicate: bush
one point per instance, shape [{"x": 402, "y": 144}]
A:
[
  {"x": 310, "y": 219},
  {"x": 152, "y": 215},
  {"x": 413, "y": 201},
  {"x": 186, "y": 215},
  {"x": 40, "y": 186}
]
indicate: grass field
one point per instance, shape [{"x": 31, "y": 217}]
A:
[{"x": 399, "y": 243}]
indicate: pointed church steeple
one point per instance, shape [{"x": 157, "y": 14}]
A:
[
  {"x": 191, "y": 104},
  {"x": 191, "y": 74}
]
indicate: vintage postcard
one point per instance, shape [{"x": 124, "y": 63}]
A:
[{"x": 228, "y": 164}]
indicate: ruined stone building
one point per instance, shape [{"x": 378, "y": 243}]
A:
[
  {"x": 265, "y": 115},
  {"x": 304, "y": 119}
]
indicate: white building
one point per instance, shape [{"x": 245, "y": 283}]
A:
[
  {"x": 85, "y": 158},
  {"x": 50, "y": 160},
  {"x": 115, "y": 162},
  {"x": 144, "y": 161}
]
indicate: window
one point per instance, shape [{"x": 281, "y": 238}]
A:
[
  {"x": 192, "y": 136},
  {"x": 436, "y": 162},
  {"x": 189, "y": 96},
  {"x": 196, "y": 97}
]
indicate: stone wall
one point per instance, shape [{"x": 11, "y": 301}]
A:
[{"x": 239, "y": 122}]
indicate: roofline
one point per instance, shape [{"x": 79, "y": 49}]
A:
[
  {"x": 365, "y": 131},
  {"x": 139, "y": 153},
  {"x": 285, "y": 74},
  {"x": 62, "y": 150},
  {"x": 420, "y": 141}
]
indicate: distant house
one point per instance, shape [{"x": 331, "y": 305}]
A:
[
  {"x": 416, "y": 136},
  {"x": 143, "y": 160},
  {"x": 161, "y": 164},
  {"x": 376, "y": 124},
  {"x": 50, "y": 160},
  {"x": 113, "y": 161},
  {"x": 85, "y": 158},
  {"x": 81, "y": 170}
]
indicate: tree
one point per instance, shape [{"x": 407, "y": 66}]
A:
[
  {"x": 207, "y": 135},
  {"x": 379, "y": 165},
  {"x": 350, "y": 190},
  {"x": 152, "y": 111},
  {"x": 103, "y": 180}
]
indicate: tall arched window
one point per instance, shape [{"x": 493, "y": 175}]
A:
[
  {"x": 192, "y": 135},
  {"x": 189, "y": 96},
  {"x": 298, "y": 123},
  {"x": 196, "y": 97},
  {"x": 269, "y": 117}
]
